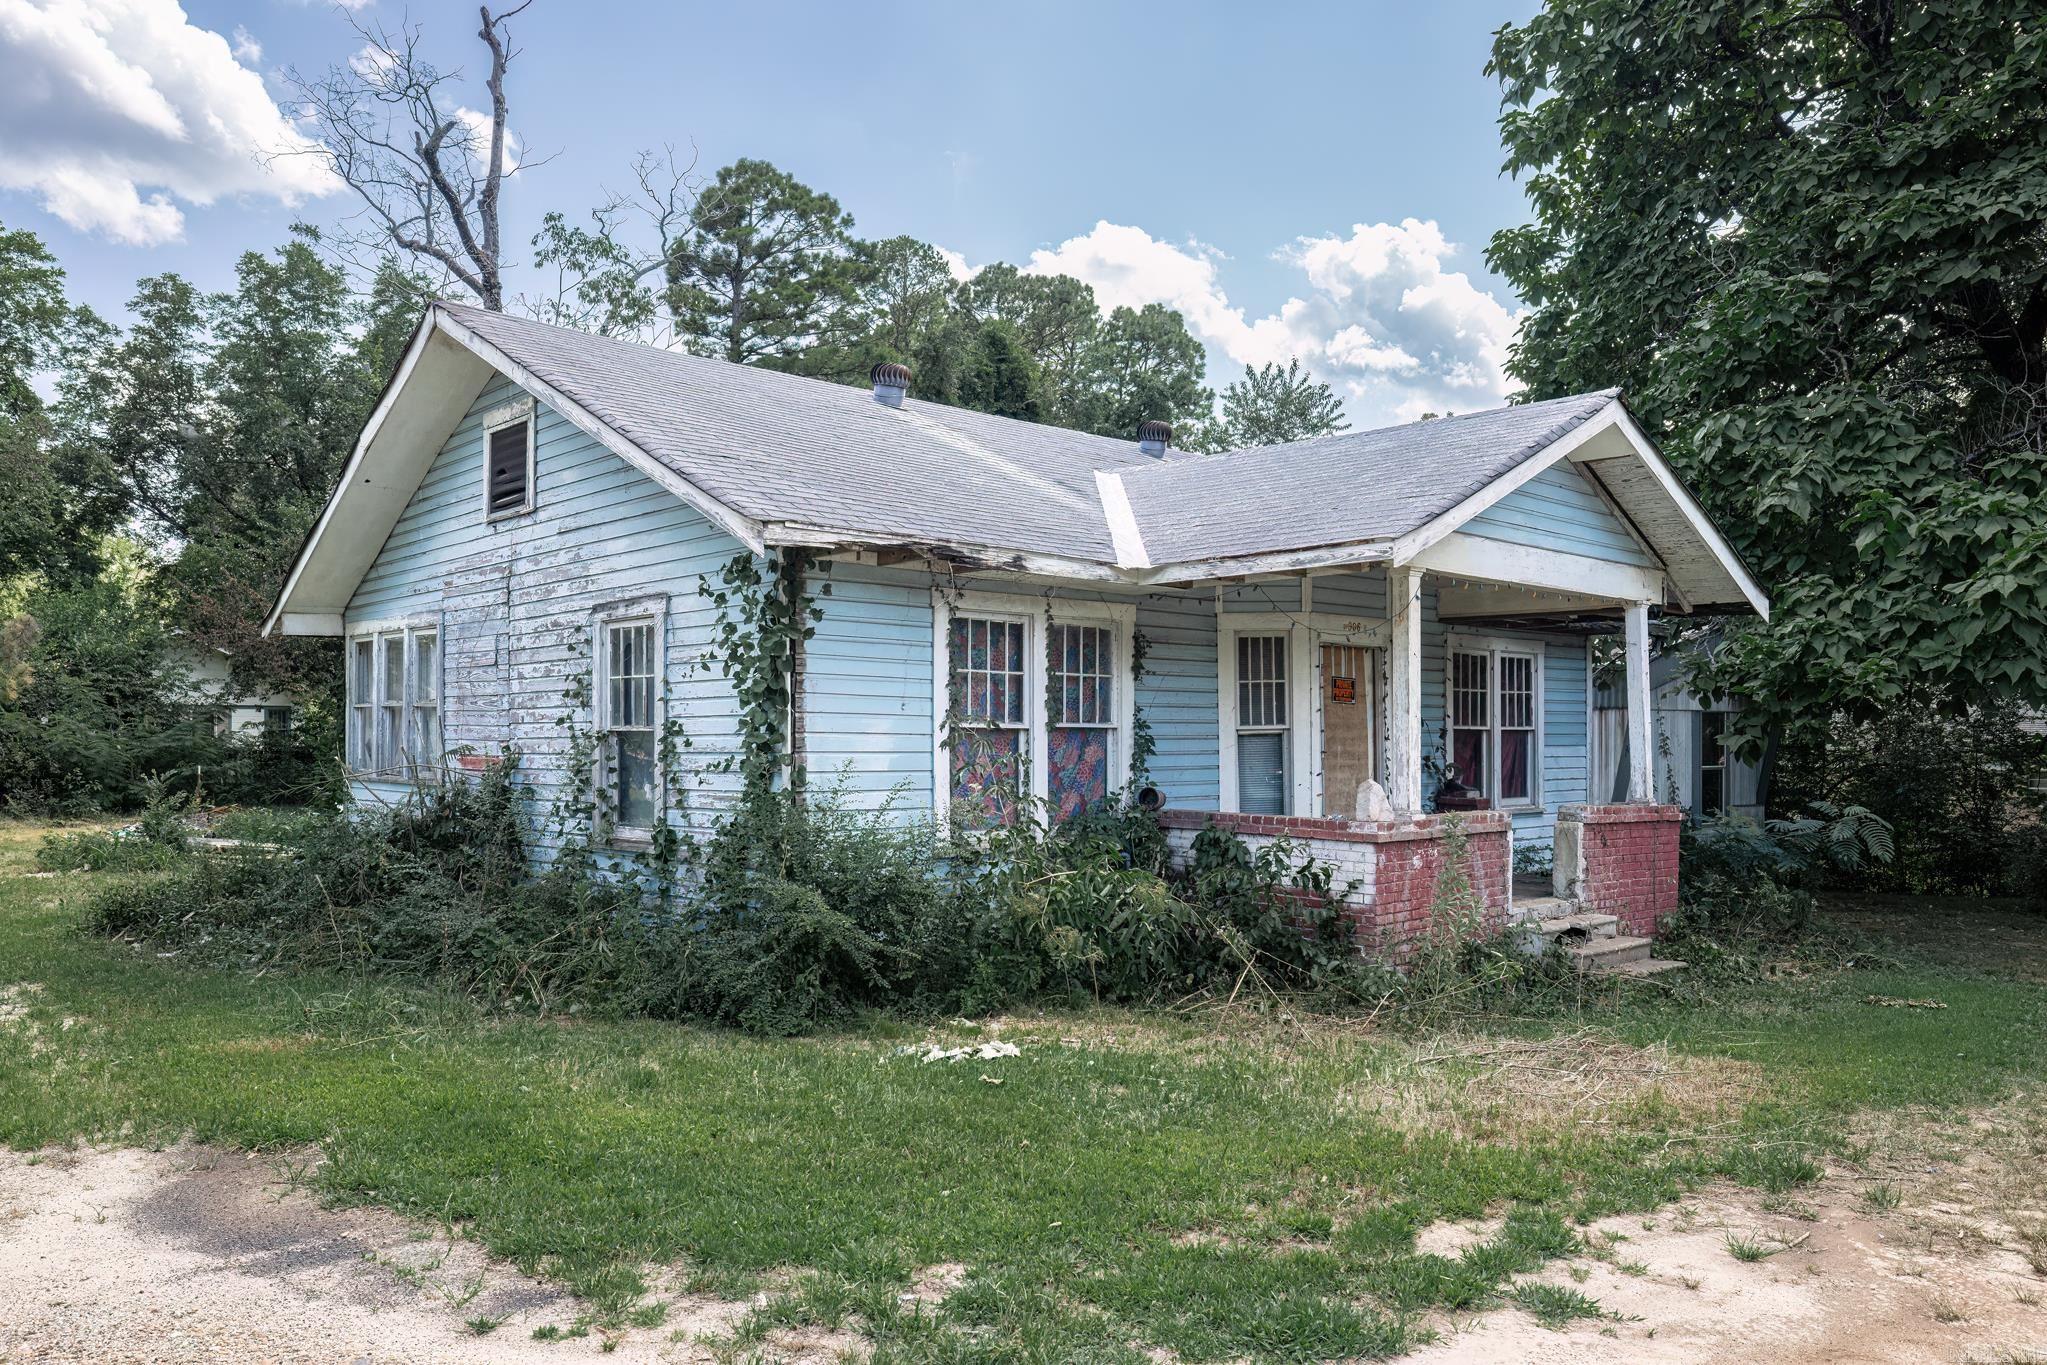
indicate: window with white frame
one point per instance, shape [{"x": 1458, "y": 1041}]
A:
[
  {"x": 1495, "y": 745},
  {"x": 1035, "y": 706},
  {"x": 628, "y": 689},
  {"x": 990, "y": 741},
  {"x": 362, "y": 698},
  {"x": 1081, "y": 736},
  {"x": 1263, "y": 728},
  {"x": 1712, "y": 785},
  {"x": 508, "y": 460},
  {"x": 394, "y": 730}
]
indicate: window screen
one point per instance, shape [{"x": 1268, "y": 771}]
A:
[
  {"x": 506, "y": 487},
  {"x": 1262, "y": 724}
]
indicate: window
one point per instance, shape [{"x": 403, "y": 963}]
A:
[
  {"x": 629, "y": 652},
  {"x": 390, "y": 750},
  {"x": 394, "y": 688},
  {"x": 1262, "y": 725},
  {"x": 1495, "y": 744},
  {"x": 1471, "y": 725},
  {"x": 361, "y": 697},
  {"x": 424, "y": 744},
  {"x": 1517, "y": 728},
  {"x": 1034, "y": 706},
  {"x": 1712, "y": 788},
  {"x": 990, "y": 694},
  {"x": 1082, "y": 733},
  {"x": 277, "y": 720},
  {"x": 508, "y": 461}
]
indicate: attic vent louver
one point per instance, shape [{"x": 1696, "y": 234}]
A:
[
  {"x": 1154, "y": 437},
  {"x": 891, "y": 383}
]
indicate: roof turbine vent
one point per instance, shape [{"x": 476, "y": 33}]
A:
[
  {"x": 1153, "y": 437},
  {"x": 891, "y": 383}
]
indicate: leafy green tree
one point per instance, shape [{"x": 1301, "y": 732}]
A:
[
  {"x": 1270, "y": 406},
  {"x": 765, "y": 268},
  {"x": 1142, "y": 364},
  {"x": 1000, "y": 376},
  {"x": 1057, "y": 322},
  {"x": 1806, "y": 236},
  {"x": 396, "y": 301},
  {"x": 37, "y": 510}
]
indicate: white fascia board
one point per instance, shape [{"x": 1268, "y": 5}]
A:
[
  {"x": 416, "y": 348},
  {"x": 739, "y": 526},
  {"x": 1356, "y": 553},
  {"x": 1652, "y": 459},
  {"x": 1433, "y": 530},
  {"x": 1123, "y": 532},
  {"x": 306, "y": 623},
  {"x": 1479, "y": 560}
]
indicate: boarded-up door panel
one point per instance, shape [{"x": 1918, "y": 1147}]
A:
[{"x": 1347, "y": 751}]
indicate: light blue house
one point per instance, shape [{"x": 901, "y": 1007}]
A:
[{"x": 516, "y": 549}]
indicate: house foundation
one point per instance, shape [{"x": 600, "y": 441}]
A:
[
  {"x": 1619, "y": 860},
  {"x": 1385, "y": 870}
]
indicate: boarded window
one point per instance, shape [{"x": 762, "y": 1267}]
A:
[{"x": 506, "y": 488}]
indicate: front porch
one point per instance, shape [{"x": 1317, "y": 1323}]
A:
[{"x": 1464, "y": 677}]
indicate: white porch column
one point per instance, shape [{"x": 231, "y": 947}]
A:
[
  {"x": 1404, "y": 690},
  {"x": 1641, "y": 759}
]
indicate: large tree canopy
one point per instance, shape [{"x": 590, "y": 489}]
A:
[{"x": 1809, "y": 239}]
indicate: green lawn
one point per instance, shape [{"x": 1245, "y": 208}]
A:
[{"x": 1221, "y": 1186}]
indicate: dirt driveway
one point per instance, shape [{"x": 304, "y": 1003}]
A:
[{"x": 194, "y": 1254}]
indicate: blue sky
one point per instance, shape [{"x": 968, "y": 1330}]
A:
[{"x": 1315, "y": 180}]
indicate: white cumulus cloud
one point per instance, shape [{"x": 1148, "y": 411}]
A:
[
  {"x": 1380, "y": 315},
  {"x": 113, "y": 112}
]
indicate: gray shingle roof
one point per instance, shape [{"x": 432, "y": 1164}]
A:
[
  {"x": 783, "y": 448},
  {"x": 1358, "y": 485}
]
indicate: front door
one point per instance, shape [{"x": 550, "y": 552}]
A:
[{"x": 1346, "y": 727}]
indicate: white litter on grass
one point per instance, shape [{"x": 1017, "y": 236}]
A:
[{"x": 985, "y": 1052}]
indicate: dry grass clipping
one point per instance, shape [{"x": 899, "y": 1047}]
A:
[{"x": 1518, "y": 1090}]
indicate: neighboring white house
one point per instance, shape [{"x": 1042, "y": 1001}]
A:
[
  {"x": 1693, "y": 767},
  {"x": 209, "y": 688}
]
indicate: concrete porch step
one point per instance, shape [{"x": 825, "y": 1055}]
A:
[
  {"x": 1642, "y": 968},
  {"x": 1606, "y": 953},
  {"x": 1566, "y": 925}
]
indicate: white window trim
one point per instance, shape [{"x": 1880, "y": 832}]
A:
[
  {"x": 1037, "y": 616},
  {"x": 1306, "y": 631},
  {"x": 648, "y": 611},
  {"x": 1494, "y": 646},
  {"x": 403, "y": 630},
  {"x": 497, "y": 419}
]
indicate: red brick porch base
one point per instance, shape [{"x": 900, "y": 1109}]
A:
[
  {"x": 1620, "y": 860},
  {"x": 1391, "y": 865}
]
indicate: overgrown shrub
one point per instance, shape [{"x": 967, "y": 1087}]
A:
[
  {"x": 797, "y": 912},
  {"x": 1961, "y": 790}
]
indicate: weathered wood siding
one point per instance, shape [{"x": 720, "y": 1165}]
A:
[
  {"x": 515, "y": 598},
  {"x": 1559, "y": 509},
  {"x": 516, "y": 602}
]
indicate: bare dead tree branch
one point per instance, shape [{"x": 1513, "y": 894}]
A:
[{"x": 429, "y": 171}]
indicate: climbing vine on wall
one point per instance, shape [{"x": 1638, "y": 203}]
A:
[{"x": 765, "y": 616}]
